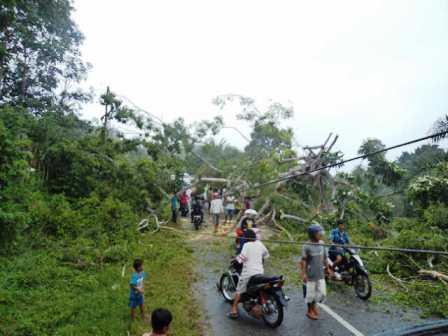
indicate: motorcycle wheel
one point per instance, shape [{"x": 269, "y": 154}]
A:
[
  {"x": 227, "y": 288},
  {"x": 363, "y": 286},
  {"x": 196, "y": 225},
  {"x": 275, "y": 318}
]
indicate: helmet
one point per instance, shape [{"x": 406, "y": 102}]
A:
[
  {"x": 250, "y": 213},
  {"x": 315, "y": 228}
]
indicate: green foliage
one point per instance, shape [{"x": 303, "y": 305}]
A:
[
  {"x": 389, "y": 172},
  {"x": 412, "y": 233},
  {"x": 14, "y": 174},
  {"x": 436, "y": 215},
  {"x": 268, "y": 138},
  {"x": 71, "y": 193},
  {"x": 223, "y": 157},
  {"x": 39, "y": 52},
  {"x": 114, "y": 110},
  {"x": 52, "y": 215},
  {"x": 422, "y": 159},
  {"x": 44, "y": 292},
  {"x": 430, "y": 298},
  {"x": 73, "y": 169},
  {"x": 426, "y": 189}
]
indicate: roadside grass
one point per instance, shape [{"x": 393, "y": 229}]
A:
[{"x": 42, "y": 295}]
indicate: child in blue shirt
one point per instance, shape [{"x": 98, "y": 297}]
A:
[{"x": 137, "y": 289}]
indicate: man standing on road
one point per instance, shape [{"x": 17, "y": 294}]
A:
[
  {"x": 252, "y": 257},
  {"x": 312, "y": 266},
  {"x": 216, "y": 209}
]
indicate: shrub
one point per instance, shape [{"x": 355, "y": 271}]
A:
[
  {"x": 54, "y": 216},
  {"x": 436, "y": 215}
]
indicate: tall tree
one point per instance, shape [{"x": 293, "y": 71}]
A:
[
  {"x": 115, "y": 110},
  {"x": 268, "y": 136},
  {"x": 423, "y": 158},
  {"x": 388, "y": 172},
  {"x": 39, "y": 54}
]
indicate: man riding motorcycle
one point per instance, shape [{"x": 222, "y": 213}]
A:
[
  {"x": 338, "y": 236},
  {"x": 252, "y": 256},
  {"x": 196, "y": 209}
]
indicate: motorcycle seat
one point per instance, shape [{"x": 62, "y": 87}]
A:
[{"x": 262, "y": 279}]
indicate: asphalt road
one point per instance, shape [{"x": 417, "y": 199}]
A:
[{"x": 348, "y": 314}]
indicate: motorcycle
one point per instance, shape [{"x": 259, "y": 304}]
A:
[
  {"x": 197, "y": 221},
  {"x": 263, "y": 299},
  {"x": 354, "y": 273}
]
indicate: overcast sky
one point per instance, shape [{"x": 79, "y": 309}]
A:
[{"x": 357, "y": 68}]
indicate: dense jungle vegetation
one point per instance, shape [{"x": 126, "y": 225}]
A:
[{"x": 73, "y": 191}]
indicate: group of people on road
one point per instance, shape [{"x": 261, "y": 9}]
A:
[
  {"x": 218, "y": 203},
  {"x": 316, "y": 261}
]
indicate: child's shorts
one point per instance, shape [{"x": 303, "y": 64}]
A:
[
  {"x": 316, "y": 291},
  {"x": 135, "y": 300}
]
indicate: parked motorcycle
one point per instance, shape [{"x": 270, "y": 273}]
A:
[
  {"x": 354, "y": 273},
  {"x": 197, "y": 221},
  {"x": 263, "y": 299}
]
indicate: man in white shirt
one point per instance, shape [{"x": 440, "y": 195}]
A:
[
  {"x": 252, "y": 256},
  {"x": 216, "y": 209}
]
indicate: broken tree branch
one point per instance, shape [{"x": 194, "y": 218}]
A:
[
  {"x": 264, "y": 207},
  {"x": 435, "y": 275},
  {"x": 287, "y": 216},
  {"x": 397, "y": 280},
  {"x": 429, "y": 261},
  {"x": 263, "y": 219},
  {"x": 283, "y": 229}
]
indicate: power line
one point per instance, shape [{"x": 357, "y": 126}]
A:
[
  {"x": 237, "y": 130},
  {"x": 138, "y": 108},
  {"x": 358, "y": 247},
  {"x": 340, "y": 163},
  {"x": 361, "y": 247}
]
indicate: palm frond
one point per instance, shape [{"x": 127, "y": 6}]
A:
[{"x": 441, "y": 128}]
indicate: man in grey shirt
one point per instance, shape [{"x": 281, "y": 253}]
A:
[{"x": 312, "y": 266}]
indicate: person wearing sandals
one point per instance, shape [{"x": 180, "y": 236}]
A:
[
  {"x": 312, "y": 266},
  {"x": 252, "y": 256}
]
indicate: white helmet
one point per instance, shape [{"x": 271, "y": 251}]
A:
[{"x": 250, "y": 213}]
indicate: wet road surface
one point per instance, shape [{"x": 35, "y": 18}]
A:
[{"x": 365, "y": 318}]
